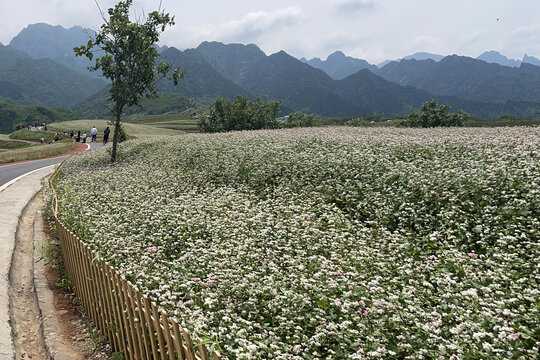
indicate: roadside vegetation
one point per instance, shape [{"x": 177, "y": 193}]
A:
[
  {"x": 34, "y": 136},
  {"x": 326, "y": 243},
  {"x": 37, "y": 151},
  {"x": 132, "y": 130}
]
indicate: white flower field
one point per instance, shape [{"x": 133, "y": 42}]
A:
[{"x": 327, "y": 243}]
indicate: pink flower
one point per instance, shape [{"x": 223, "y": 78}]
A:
[
  {"x": 471, "y": 254},
  {"x": 338, "y": 302}
]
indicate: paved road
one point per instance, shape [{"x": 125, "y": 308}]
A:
[{"x": 10, "y": 172}]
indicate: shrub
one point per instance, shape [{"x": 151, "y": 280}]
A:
[
  {"x": 433, "y": 115},
  {"x": 299, "y": 119},
  {"x": 240, "y": 114}
]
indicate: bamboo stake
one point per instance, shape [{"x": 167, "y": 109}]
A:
[
  {"x": 123, "y": 304},
  {"x": 136, "y": 336},
  {"x": 178, "y": 346},
  {"x": 167, "y": 333},
  {"x": 117, "y": 311},
  {"x": 157, "y": 327},
  {"x": 98, "y": 293},
  {"x": 137, "y": 312},
  {"x": 144, "y": 326},
  {"x": 111, "y": 326},
  {"x": 150, "y": 324},
  {"x": 189, "y": 345}
]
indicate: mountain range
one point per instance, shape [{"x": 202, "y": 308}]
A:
[{"x": 38, "y": 68}]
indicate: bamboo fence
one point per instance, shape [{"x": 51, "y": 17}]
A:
[{"x": 131, "y": 323}]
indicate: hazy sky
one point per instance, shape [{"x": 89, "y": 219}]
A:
[{"x": 374, "y": 30}]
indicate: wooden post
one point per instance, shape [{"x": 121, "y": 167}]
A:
[
  {"x": 167, "y": 333},
  {"x": 138, "y": 314},
  {"x": 150, "y": 324},
  {"x": 128, "y": 326},
  {"x": 189, "y": 345},
  {"x": 178, "y": 346},
  {"x": 159, "y": 331}
]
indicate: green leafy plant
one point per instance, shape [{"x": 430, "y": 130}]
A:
[
  {"x": 240, "y": 114},
  {"x": 433, "y": 115},
  {"x": 130, "y": 59}
]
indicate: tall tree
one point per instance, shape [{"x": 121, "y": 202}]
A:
[{"x": 129, "y": 59}]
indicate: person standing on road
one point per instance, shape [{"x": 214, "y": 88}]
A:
[
  {"x": 78, "y": 138},
  {"x": 84, "y": 138},
  {"x": 93, "y": 132},
  {"x": 106, "y": 133}
]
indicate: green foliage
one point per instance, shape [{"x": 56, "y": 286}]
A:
[
  {"x": 28, "y": 81},
  {"x": 13, "y": 144},
  {"x": 365, "y": 120},
  {"x": 359, "y": 121},
  {"x": 433, "y": 115},
  {"x": 12, "y": 115},
  {"x": 130, "y": 58},
  {"x": 241, "y": 114},
  {"x": 24, "y": 134},
  {"x": 300, "y": 119},
  {"x": 96, "y": 106}
]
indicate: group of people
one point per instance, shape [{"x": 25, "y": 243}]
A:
[{"x": 93, "y": 133}]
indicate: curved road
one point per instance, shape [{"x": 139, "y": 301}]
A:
[{"x": 13, "y": 171}]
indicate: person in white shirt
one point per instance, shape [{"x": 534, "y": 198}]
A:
[{"x": 93, "y": 132}]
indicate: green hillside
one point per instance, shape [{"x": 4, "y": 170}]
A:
[
  {"x": 29, "y": 81},
  {"x": 12, "y": 115}
]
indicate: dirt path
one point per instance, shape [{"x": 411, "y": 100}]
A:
[
  {"x": 25, "y": 316},
  {"x": 45, "y": 321}
]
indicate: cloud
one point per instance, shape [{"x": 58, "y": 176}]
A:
[
  {"x": 251, "y": 26},
  {"x": 347, "y": 7},
  {"x": 526, "y": 33}
]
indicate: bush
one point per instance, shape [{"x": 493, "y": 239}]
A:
[
  {"x": 299, "y": 119},
  {"x": 240, "y": 114},
  {"x": 433, "y": 115}
]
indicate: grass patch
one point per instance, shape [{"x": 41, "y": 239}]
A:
[
  {"x": 13, "y": 144},
  {"x": 172, "y": 121},
  {"x": 24, "y": 134},
  {"x": 37, "y": 152},
  {"x": 138, "y": 130},
  {"x": 502, "y": 122}
]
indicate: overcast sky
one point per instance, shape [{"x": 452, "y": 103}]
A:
[{"x": 374, "y": 30}]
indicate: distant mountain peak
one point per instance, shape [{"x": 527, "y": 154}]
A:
[
  {"x": 336, "y": 55},
  {"x": 422, "y": 55},
  {"x": 496, "y": 57},
  {"x": 338, "y": 65},
  {"x": 530, "y": 60}
]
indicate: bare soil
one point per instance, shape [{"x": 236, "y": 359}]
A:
[{"x": 75, "y": 336}]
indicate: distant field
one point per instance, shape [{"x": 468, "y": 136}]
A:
[
  {"x": 37, "y": 152},
  {"x": 470, "y": 123},
  {"x": 168, "y": 121},
  {"x": 504, "y": 122},
  {"x": 7, "y": 144},
  {"x": 139, "y": 130}
]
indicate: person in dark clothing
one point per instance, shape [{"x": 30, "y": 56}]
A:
[
  {"x": 78, "y": 138},
  {"x": 71, "y": 134},
  {"x": 106, "y": 133}
]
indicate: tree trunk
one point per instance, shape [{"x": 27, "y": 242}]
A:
[{"x": 116, "y": 133}]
